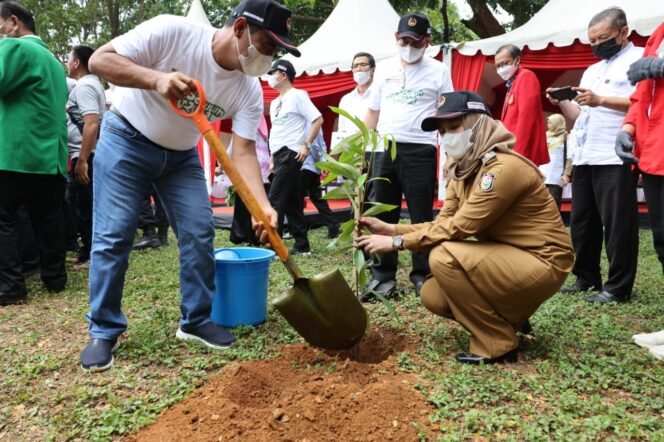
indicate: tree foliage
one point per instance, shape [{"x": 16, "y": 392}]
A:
[{"x": 63, "y": 23}]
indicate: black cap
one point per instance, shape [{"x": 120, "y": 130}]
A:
[
  {"x": 416, "y": 26},
  {"x": 272, "y": 17},
  {"x": 283, "y": 66},
  {"x": 453, "y": 105}
]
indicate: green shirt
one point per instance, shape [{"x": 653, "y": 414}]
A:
[{"x": 33, "y": 96}]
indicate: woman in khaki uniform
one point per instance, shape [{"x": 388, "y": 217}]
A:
[{"x": 498, "y": 247}]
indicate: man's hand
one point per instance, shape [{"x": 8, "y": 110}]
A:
[
  {"x": 174, "y": 85},
  {"x": 565, "y": 179},
  {"x": 646, "y": 68},
  {"x": 550, "y": 98},
  {"x": 302, "y": 154},
  {"x": 587, "y": 97},
  {"x": 81, "y": 172},
  {"x": 624, "y": 146},
  {"x": 374, "y": 244},
  {"x": 259, "y": 227},
  {"x": 376, "y": 226}
]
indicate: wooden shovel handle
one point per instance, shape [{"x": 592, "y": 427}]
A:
[{"x": 243, "y": 191}]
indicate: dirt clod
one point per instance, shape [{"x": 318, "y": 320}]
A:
[{"x": 305, "y": 394}]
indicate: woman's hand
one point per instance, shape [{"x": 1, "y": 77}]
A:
[
  {"x": 376, "y": 226},
  {"x": 374, "y": 244}
]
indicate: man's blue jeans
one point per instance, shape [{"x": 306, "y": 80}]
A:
[{"x": 126, "y": 163}]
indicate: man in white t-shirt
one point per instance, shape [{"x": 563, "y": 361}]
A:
[
  {"x": 356, "y": 102},
  {"x": 85, "y": 108},
  {"x": 144, "y": 142},
  {"x": 603, "y": 188},
  {"x": 406, "y": 89},
  {"x": 295, "y": 124}
]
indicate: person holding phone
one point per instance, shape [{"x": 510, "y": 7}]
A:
[
  {"x": 522, "y": 109},
  {"x": 603, "y": 189}
]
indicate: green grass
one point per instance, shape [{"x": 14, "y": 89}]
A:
[{"x": 583, "y": 379}]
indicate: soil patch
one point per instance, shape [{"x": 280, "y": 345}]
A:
[{"x": 304, "y": 395}]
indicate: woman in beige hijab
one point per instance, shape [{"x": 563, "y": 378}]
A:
[{"x": 498, "y": 247}]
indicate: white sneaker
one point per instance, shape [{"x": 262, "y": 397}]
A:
[
  {"x": 648, "y": 340},
  {"x": 658, "y": 352}
]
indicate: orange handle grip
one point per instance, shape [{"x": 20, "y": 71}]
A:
[{"x": 247, "y": 197}]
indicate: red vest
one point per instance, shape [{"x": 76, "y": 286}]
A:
[
  {"x": 523, "y": 116},
  {"x": 649, "y": 95}
]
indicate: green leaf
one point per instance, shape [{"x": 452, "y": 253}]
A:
[
  {"x": 329, "y": 178},
  {"x": 336, "y": 194},
  {"x": 379, "y": 178},
  {"x": 334, "y": 166},
  {"x": 378, "y": 208},
  {"x": 358, "y": 260},
  {"x": 356, "y": 121},
  {"x": 352, "y": 143},
  {"x": 361, "y": 180},
  {"x": 388, "y": 305}
]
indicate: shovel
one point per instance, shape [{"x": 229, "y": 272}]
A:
[{"x": 322, "y": 309}]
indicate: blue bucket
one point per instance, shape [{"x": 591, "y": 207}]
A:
[{"x": 241, "y": 281}]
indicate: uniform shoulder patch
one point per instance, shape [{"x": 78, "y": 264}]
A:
[{"x": 486, "y": 181}]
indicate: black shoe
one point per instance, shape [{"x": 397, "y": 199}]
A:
[
  {"x": 473, "y": 359},
  {"x": 31, "y": 272},
  {"x": 526, "y": 329},
  {"x": 418, "y": 282},
  {"x": 209, "y": 334},
  {"x": 82, "y": 257},
  {"x": 162, "y": 234},
  {"x": 387, "y": 289},
  {"x": 298, "y": 251},
  {"x": 146, "y": 242},
  {"x": 55, "y": 287},
  {"x": 287, "y": 235},
  {"x": 579, "y": 287},
  {"x": 16, "y": 297},
  {"x": 333, "y": 232},
  {"x": 98, "y": 354},
  {"x": 605, "y": 297}
]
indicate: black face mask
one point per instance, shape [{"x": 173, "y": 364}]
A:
[{"x": 607, "y": 49}]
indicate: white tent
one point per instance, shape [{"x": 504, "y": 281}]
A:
[
  {"x": 197, "y": 13},
  {"x": 353, "y": 26},
  {"x": 562, "y": 21}
]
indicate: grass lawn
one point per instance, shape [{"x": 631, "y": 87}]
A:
[{"x": 582, "y": 379}]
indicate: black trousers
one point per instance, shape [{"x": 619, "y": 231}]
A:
[
  {"x": 556, "y": 193},
  {"x": 27, "y": 243},
  {"x": 241, "y": 231},
  {"x": 413, "y": 174},
  {"x": 653, "y": 186},
  {"x": 310, "y": 186},
  {"x": 284, "y": 196},
  {"x": 151, "y": 218},
  {"x": 604, "y": 205},
  {"x": 43, "y": 195},
  {"x": 80, "y": 196}
]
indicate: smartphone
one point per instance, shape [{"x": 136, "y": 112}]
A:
[{"x": 563, "y": 93}]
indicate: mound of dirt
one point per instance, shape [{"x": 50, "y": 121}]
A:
[{"x": 304, "y": 395}]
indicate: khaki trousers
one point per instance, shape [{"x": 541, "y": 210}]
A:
[{"x": 491, "y": 289}]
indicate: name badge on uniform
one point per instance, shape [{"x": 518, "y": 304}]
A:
[{"x": 486, "y": 182}]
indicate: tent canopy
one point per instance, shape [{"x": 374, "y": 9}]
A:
[
  {"x": 354, "y": 26},
  {"x": 560, "y": 22},
  {"x": 197, "y": 13}
]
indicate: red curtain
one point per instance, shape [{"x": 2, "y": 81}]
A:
[{"x": 467, "y": 71}]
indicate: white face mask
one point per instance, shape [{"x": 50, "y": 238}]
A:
[
  {"x": 273, "y": 81},
  {"x": 456, "y": 145},
  {"x": 506, "y": 72},
  {"x": 410, "y": 54},
  {"x": 361, "y": 77},
  {"x": 255, "y": 64}
]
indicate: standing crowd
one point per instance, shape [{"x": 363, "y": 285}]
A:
[{"x": 96, "y": 170}]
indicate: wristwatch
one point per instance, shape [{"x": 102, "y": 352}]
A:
[
  {"x": 397, "y": 242},
  {"x": 307, "y": 144}
]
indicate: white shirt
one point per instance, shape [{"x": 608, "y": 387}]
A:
[
  {"x": 553, "y": 170},
  {"x": 356, "y": 105},
  {"x": 291, "y": 114},
  {"x": 168, "y": 43},
  {"x": 406, "y": 95},
  {"x": 597, "y": 127}
]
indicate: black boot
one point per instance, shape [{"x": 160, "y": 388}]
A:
[
  {"x": 162, "y": 234},
  {"x": 149, "y": 240}
]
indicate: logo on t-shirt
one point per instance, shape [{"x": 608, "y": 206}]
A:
[
  {"x": 405, "y": 96},
  {"x": 190, "y": 103}
]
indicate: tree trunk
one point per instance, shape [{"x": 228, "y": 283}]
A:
[
  {"x": 483, "y": 23},
  {"x": 446, "y": 22},
  {"x": 113, "y": 10},
  {"x": 308, "y": 19}
]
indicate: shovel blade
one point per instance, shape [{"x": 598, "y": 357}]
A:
[{"x": 324, "y": 311}]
